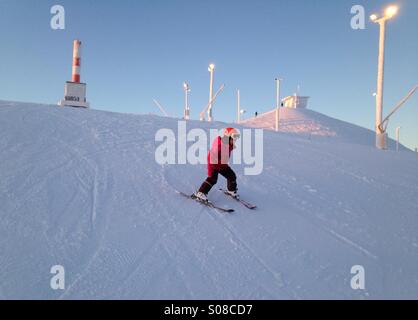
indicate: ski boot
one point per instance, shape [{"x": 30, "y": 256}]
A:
[
  {"x": 233, "y": 194},
  {"x": 200, "y": 196}
]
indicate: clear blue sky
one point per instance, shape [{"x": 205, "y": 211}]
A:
[{"x": 136, "y": 50}]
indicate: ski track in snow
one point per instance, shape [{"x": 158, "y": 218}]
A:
[
  {"x": 351, "y": 243},
  {"x": 92, "y": 258},
  {"x": 276, "y": 275},
  {"x": 94, "y": 198},
  {"x": 320, "y": 224}
]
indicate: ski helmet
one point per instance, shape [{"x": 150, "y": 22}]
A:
[{"x": 232, "y": 133}]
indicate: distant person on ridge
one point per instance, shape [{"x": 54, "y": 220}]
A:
[{"x": 218, "y": 159}]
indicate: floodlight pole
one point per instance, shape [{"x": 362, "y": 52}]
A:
[
  {"x": 278, "y": 82},
  {"x": 380, "y": 135},
  {"x": 211, "y": 70},
  {"x": 390, "y": 12},
  {"x": 398, "y": 129},
  {"x": 186, "y": 101},
  {"x": 238, "y": 107}
]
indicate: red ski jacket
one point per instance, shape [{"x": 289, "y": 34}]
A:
[{"x": 219, "y": 154}]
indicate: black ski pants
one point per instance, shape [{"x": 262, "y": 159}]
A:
[{"x": 226, "y": 172}]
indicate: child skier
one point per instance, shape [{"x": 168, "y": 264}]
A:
[{"x": 218, "y": 159}]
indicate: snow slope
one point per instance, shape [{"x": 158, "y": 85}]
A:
[
  {"x": 314, "y": 124},
  {"x": 81, "y": 189}
]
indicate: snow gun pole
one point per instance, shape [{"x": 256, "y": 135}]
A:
[
  {"x": 160, "y": 107},
  {"x": 384, "y": 124},
  {"x": 202, "y": 114}
]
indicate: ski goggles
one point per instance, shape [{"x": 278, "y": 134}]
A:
[{"x": 235, "y": 136}]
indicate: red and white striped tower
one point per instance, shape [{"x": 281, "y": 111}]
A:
[
  {"x": 76, "y": 61},
  {"x": 75, "y": 91}
]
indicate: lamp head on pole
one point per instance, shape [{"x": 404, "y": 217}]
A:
[
  {"x": 389, "y": 13},
  {"x": 211, "y": 67}
]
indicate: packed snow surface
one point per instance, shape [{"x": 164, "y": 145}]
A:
[
  {"x": 309, "y": 123},
  {"x": 82, "y": 189}
]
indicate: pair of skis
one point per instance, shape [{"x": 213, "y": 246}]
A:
[{"x": 213, "y": 206}]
